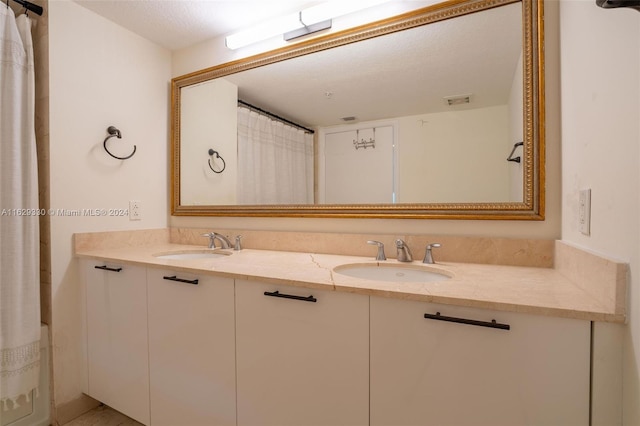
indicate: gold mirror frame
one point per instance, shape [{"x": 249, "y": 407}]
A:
[{"x": 532, "y": 207}]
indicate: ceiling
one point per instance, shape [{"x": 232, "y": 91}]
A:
[
  {"x": 176, "y": 24},
  {"x": 474, "y": 54},
  {"x": 402, "y": 74}
]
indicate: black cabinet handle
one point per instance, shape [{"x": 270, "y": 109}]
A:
[
  {"x": 492, "y": 324},
  {"x": 181, "y": 280},
  {"x": 291, "y": 296},
  {"x": 106, "y": 268}
]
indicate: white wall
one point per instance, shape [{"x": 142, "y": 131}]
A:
[
  {"x": 100, "y": 75},
  {"x": 600, "y": 56},
  {"x": 209, "y": 120},
  {"x": 213, "y": 52},
  {"x": 454, "y": 156}
]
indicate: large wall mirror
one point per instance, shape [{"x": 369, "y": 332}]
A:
[{"x": 437, "y": 113}]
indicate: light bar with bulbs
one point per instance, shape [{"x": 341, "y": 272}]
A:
[{"x": 307, "y": 21}]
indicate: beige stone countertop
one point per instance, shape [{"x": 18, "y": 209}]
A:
[{"x": 543, "y": 291}]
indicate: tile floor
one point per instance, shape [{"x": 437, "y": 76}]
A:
[{"x": 103, "y": 416}]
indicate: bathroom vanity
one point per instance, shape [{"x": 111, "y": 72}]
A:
[{"x": 272, "y": 337}]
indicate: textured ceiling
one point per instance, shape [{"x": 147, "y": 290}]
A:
[
  {"x": 176, "y": 24},
  {"x": 406, "y": 74},
  {"x": 402, "y": 74}
]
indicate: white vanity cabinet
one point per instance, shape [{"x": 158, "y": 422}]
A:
[
  {"x": 118, "y": 368},
  {"x": 430, "y": 371},
  {"x": 191, "y": 349},
  {"x": 302, "y": 356}
]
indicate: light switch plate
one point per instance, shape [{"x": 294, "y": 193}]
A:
[{"x": 584, "y": 211}]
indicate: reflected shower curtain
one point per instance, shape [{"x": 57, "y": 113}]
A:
[
  {"x": 275, "y": 161},
  {"x": 19, "y": 237}
]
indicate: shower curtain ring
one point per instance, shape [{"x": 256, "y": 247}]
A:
[{"x": 115, "y": 132}]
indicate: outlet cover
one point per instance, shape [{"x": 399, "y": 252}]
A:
[
  {"x": 135, "y": 211},
  {"x": 584, "y": 211}
]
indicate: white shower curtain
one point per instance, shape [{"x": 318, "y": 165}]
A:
[
  {"x": 19, "y": 235},
  {"x": 275, "y": 161}
]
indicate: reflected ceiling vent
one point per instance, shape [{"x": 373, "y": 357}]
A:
[
  {"x": 348, "y": 118},
  {"x": 457, "y": 100}
]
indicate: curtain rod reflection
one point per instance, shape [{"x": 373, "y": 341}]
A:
[
  {"x": 276, "y": 117},
  {"x": 38, "y": 10}
]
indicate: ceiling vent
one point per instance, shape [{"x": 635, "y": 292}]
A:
[{"x": 458, "y": 99}]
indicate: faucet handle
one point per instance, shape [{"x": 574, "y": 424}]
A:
[
  {"x": 380, "y": 255},
  {"x": 428, "y": 256},
  {"x": 238, "y": 245},
  {"x": 212, "y": 241}
]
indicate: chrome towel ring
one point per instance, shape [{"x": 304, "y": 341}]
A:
[{"x": 115, "y": 132}]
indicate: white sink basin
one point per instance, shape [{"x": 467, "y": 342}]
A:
[
  {"x": 392, "y": 272},
  {"x": 192, "y": 254}
]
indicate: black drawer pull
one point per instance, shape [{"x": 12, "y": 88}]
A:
[
  {"x": 492, "y": 324},
  {"x": 291, "y": 296},
  {"x": 181, "y": 280},
  {"x": 106, "y": 268}
]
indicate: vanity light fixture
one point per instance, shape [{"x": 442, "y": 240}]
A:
[
  {"x": 262, "y": 31},
  {"x": 307, "y": 29},
  {"x": 307, "y": 21}
]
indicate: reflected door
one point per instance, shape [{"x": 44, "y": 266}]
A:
[{"x": 359, "y": 166}]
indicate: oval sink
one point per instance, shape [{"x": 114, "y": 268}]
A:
[
  {"x": 393, "y": 273},
  {"x": 192, "y": 254}
]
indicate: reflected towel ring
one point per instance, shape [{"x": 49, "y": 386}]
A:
[
  {"x": 224, "y": 165},
  {"x": 115, "y": 132},
  {"x": 511, "y": 157}
]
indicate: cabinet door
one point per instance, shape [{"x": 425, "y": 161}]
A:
[
  {"x": 301, "y": 362},
  {"x": 191, "y": 349},
  {"x": 117, "y": 354},
  {"x": 425, "y": 371}
]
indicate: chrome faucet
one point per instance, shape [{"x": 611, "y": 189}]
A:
[
  {"x": 238, "y": 244},
  {"x": 213, "y": 236},
  {"x": 380, "y": 255},
  {"x": 428, "y": 256},
  {"x": 404, "y": 254}
]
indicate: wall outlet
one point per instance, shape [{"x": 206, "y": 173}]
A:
[
  {"x": 135, "y": 211},
  {"x": 584, "y": 211}
]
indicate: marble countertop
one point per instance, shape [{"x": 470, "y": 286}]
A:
[{"x": 543, "y": 291}]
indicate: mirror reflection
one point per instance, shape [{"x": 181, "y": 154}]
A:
[{"x": 427, "y": 115}]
